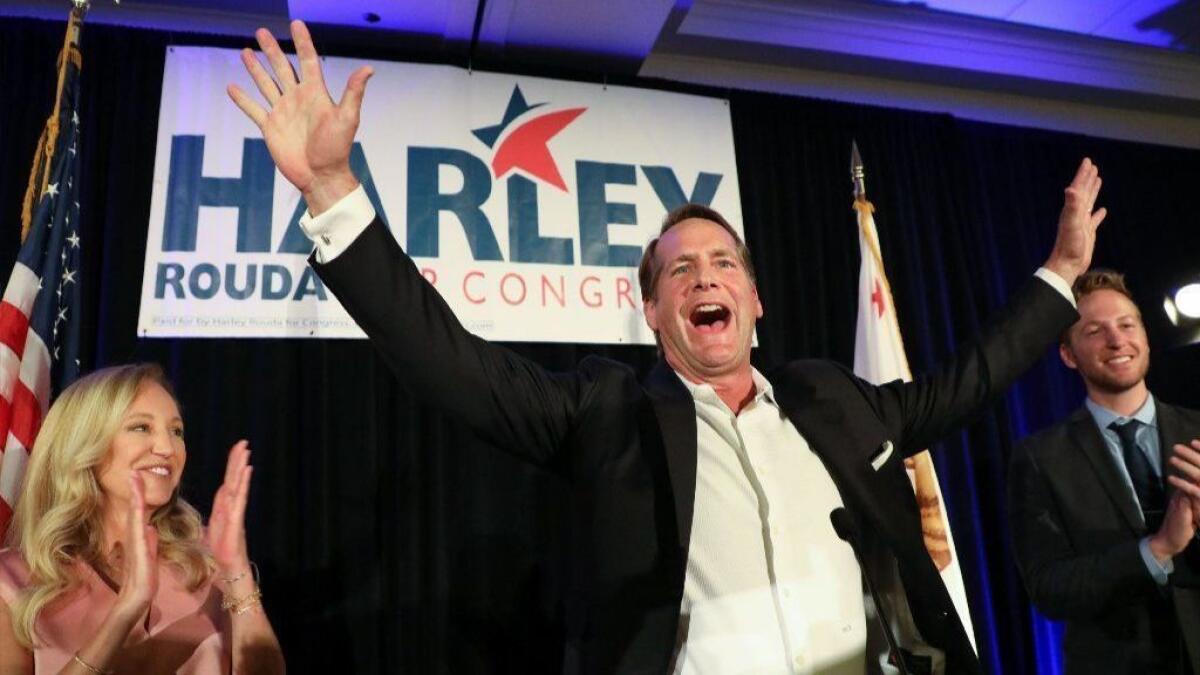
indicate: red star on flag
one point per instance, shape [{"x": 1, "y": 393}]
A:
[{"x": 525, "y": 148}]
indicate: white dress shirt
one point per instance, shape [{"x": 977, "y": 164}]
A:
[{"x": 770, "y": 588}]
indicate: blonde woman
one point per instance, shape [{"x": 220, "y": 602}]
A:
[{"x": 111, "y": 570}]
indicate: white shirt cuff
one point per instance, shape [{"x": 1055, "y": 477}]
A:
[
  {"x": 1160, "y": 571},
  {"x": 1057, "y": 283},
  {"x": 334, "y": 230}
]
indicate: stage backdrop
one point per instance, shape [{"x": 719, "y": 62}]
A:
[
  {"x": 525, "y": 201},
  {"x": 391, "y": 540}
]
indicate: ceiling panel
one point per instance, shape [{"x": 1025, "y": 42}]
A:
[
  {"x": 1154, "y": 23},
  {"x": 990, "y": 9},
  {"x": 227, "y": 17},
  {"x": 1074, "y": 17},
  {"x": 263, "y": 7},
  {"x": 451, "y": 19},
  {"x": 1163, "y": 23},
  {"x": 617, "y": 27}
]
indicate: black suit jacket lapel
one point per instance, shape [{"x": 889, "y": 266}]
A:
[
  {"x": 675, "y": 412},
  {"x": 1086, "y": 437}
]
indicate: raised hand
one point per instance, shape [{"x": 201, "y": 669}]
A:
[
  {"x": 1077, "y": 224},
  {"x": 255, "y": 647},
  {"x": 226, "y": 535},
  {"x": 139, "y": 582},
  {"x": 308, "y": 135}
]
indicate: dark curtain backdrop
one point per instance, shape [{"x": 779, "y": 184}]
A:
[{"x": 392, "y": 541}]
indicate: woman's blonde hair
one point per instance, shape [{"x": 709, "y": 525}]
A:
[{"x": 58, "y": 519}]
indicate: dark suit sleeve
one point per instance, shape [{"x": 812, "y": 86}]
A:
[
  {"x": 504, "y": 398},
  {"x": 921, "y": 412},
  {"x": 1062, "y": 582}
]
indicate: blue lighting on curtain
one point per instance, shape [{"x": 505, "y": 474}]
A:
[
  {"x": 981, "y": 574},
  {"x": 1047, "y": 634},
  {"x": 1047, "y": 642}
]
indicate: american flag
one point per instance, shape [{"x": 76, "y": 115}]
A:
[{"x": 39, "y": 315}]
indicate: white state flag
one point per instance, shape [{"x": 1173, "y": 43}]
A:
[{"x": 879, "y": 357}]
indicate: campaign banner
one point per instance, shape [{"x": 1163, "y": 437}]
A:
[{"x": 525, "y": 201}]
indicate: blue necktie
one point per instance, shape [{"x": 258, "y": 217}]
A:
[{"x": 1146, "y": 483}]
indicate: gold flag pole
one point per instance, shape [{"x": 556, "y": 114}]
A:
[{"x": 39, "y": 175}]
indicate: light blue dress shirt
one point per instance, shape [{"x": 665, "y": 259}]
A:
[{"x": 1148, "y": 441}]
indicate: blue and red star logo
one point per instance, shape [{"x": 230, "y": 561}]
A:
[{"x": 524, "y": 147}]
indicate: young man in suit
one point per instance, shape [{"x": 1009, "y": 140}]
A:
[
  {"x": 1102, "y": 540},
  {"x": 705, "y": 489}
]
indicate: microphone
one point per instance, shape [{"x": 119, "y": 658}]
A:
[
  {"x": 845, "y": 527},
  {"x": 847, "y": 530}
]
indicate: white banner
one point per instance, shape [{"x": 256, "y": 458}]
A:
[{"x": 526, "y": 201}]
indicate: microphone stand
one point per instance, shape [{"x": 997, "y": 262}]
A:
[{"x": 847, "y": 529}]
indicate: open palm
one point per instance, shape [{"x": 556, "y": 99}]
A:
[
  {"x": 226, "y": 534},
  {"x": 309, "y": 136}
]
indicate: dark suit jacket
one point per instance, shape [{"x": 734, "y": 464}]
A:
[
  {"x": 630, "y": 448},
  {"x": 1076, "y": 527}
]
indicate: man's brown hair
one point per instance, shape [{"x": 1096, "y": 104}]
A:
[
  {"x": 1099, "y": 279},
  {"x": 649, "y": 270}
]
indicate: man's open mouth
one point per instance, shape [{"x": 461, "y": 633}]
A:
[{"x": 709, "y": 317}]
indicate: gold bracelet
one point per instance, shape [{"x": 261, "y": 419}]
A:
[
  {"x": 252, "y": 568},
  {"x": 236, "y": 579},
  {"x": 253, "y": 601},
  {"x": 234, "y": 604},
  {"x": 89, "y": 667}
]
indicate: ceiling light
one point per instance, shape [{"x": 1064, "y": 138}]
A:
[
  {"x": 1187, "y": 301},
  {"x": 1172, "y": 313}
]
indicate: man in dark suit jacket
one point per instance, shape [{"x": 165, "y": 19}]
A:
[
  {"x": 673, "y": 476},
  {"x": 1102, "y": 542}
]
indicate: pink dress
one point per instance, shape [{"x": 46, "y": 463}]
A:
[{"x": 188, "y": 632}]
